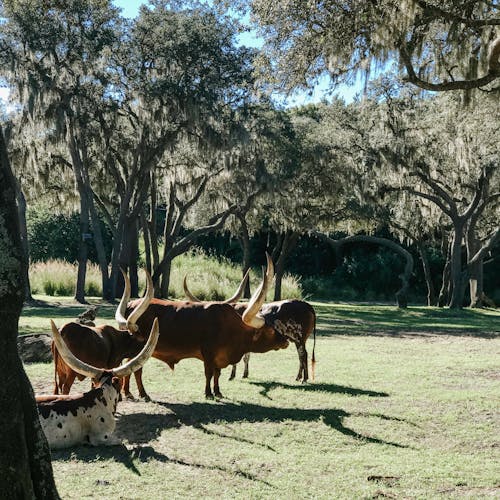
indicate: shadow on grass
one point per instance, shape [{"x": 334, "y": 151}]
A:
[
  {"x": 267, "y": 387},
  {"x": 375, "y": 323},
  {"x": 121, "y": 454},
  {"x": 197, "y": 415},
  {"x": 64, "y": 311}
]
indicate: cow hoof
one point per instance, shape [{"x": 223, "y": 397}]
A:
[
  {"x": 146, "y": 398},
  {"x": 209, "y": 396},
  {"x": 218, "y": 395},
  {"x": 231, "y": 377},
  {"x": 245, "y": 375},
  {"x": 129, "y": 397}
]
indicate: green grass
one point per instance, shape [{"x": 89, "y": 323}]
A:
[{"x": 404, "y": 405}]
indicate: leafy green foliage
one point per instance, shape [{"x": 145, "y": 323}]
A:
[{"x": 55, "y": 235}]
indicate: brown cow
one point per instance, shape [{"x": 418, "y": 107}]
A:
[
  {"x": 88, "y": 418},
  {"x": 100, "y": 346},
  {"x": 212, "y": 332},
  {"x": 295, "y": 319}
]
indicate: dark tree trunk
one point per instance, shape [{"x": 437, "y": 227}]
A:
[
  {"x": 129, "y": 253},
  {"x": 21, "y": 210},
  {"x": 456, "y": 298},
  {"x": 165, "y": 277},
  {"x": 101, "y": 252},
  {"x": 244, "y": 239},
  {"x": 475, "y": 270},
  {"x": 445, "y": 291},
  {"x": 153, "y": 236},
  {"x": 147, "y": 242},
  {"x": 79, "y": 163},
  {"x": 82, "y": 250},
  {"x": 431, "y": 293},
  {"x": 25, "y": 463},
  {"x": 289, "y": 241}
]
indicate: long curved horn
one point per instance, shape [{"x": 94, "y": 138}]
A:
[
  {"x": 187, "y": 293},
  {"x": 122, "y": 306},
  {"x": 235, "y": 298},
  {"x": 135, "y": 363},
  {"x": 142, "y": 306},
  {"x": 251, "y": 316},
  {"x": 70, "y": 359},
  {"x": 241, "y": 290}
]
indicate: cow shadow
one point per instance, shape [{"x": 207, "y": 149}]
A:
[
  {"x": 267, "y": 387},
  {"x": 200, "y": 414}
]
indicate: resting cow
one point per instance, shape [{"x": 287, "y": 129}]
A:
[
  {"x": 212, "y": 332},
  {"x": 100, "y": 346},
  {"x": 88, "y": 418},
  {"x": 295, "y": 319}
]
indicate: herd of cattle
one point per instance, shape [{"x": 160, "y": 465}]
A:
[{"x": 217, "y": 333}]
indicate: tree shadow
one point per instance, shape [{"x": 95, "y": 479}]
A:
[
  {"x": 57, "y": 310},
  {"x": 121, "y": 454},
  {"x": 199, "y": 414},
  {"x": 267, "y": 387},
  {"x": 411, "y": 322}
]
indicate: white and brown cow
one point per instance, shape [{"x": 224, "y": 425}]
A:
[{"x": 88, "y": 418}]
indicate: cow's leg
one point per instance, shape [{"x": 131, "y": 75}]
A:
[
  {"x": 217, "y": 392},
  {"x": 68, "y": 382},
  {"x": 209, "y": 373},
  {"x": 303, "y": 370},
  {"x": 246, "y": 359},
  {"x": 140, "y": 387},
  {"x": 126, "y": 394},
  {"x": 233, "y": 373}
]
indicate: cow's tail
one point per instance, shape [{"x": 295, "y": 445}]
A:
[
  {"x": 55, "y": 355},
  {"x": 313, "y": 357}
]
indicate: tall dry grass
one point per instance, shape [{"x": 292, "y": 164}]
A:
[
  {"x": 58, "y": 277},
  {"x": 209, "y": 278}
]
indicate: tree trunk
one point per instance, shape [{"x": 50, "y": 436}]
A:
[
  {"x": 129, "y": 253},
  {"x": 82, "y": 250},
  {"x": 431, "y": 293},
  {"x": 147, "y": 242},
  {"x": 456, "y": 298},
  {"x": 21, "y": 210},
  {"x": 476, "y": 277},
  {"x": 165, "y": 277},
  {"x": 153, "y": 236},
  {"x": 289, "y": 241},
  {"x": 101, "y": 252},
  {"x": 475, "y": 270},
  {"x": 79, "y": 162},
  {"x": 244, "y": 239},
  {"x": 25, "y": 462}
]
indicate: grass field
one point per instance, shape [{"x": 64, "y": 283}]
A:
[{"x": 404, "y": 405}]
